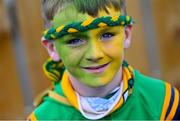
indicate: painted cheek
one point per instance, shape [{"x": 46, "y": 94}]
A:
[
  {"x": 63, "y": 51},
  {"x": 118, "y": 45},
  {"x": 72, "y": 59},
  {"x": 114, "y": 49}
]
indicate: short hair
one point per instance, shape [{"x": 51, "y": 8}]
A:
[{"x": 51, "y": 7}]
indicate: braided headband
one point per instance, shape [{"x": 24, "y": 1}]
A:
[{"x": 56, "y": 33}]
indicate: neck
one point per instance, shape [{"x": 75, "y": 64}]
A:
[{"x": 102, "y": 91}]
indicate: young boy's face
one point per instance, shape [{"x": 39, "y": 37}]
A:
[{"x": 92, "y": 57}]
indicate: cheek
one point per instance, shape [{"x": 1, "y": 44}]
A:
[
  {"x": 71, "y": 58},
  {"x": 115, "y": 48}
]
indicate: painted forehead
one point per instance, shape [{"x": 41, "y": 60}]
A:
[
  {"x": 70, "y": 14},
  {"x": 70, "y": 21}
]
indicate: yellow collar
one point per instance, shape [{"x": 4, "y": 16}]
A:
[{"x": 69, "y": 92}]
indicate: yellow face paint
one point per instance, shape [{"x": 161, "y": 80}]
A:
[{"x": 92, "y": 57}]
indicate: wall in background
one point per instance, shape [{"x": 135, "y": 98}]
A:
[
  {"x": 167, "y": 21},
  {"x": 11, "y": 99}
]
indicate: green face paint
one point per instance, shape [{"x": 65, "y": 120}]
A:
[
  {"x": 92, "y": 57},
  {"x": 68, "y": 15}
]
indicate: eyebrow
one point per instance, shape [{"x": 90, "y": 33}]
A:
[
  {"x": 82, "y": 34},
  {"x": 75, "y": 35},
  {"x": 105, "y": 29}
]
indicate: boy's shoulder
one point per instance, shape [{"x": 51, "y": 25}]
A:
[
  {"x": 55, "y": 106},
  {"x": 151, "y": 95},
  {"x": 149, "y": 84},
  {"x": 157, "y": 95}
]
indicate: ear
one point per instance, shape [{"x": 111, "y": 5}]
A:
[
  {"x": 51, "y": 49},
  {"x": 128, "y": 34}
]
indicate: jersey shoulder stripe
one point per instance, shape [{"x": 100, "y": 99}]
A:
[{"x": 171, "y": 106}]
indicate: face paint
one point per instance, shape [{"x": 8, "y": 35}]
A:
[{"x": 93, "y": 57}]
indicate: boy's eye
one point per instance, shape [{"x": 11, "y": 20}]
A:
[
  {"x": 107, "y": 36},
  {"x": 76, "y": 42}
]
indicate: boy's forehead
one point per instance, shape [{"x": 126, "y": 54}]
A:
[{"x": 70, "y": 15}]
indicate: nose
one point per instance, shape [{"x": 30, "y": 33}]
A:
[{"x": 94, "y": 52}]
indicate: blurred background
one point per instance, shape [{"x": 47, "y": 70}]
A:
[{"x": 155, "y": 49}]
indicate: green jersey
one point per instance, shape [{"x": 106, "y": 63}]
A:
[{"x": 148, "y": 99}]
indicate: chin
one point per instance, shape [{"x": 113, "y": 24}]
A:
[{"x": 100, "y": 84}]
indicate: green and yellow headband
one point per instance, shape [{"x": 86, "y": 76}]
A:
[{"x": 58, "y": 32}]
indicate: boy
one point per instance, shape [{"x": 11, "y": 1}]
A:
[{"x": 91, "y": 80}]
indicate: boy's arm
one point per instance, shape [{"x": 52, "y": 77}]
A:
[{"x": 171, "y": 106}]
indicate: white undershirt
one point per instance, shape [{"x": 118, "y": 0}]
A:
[{"x": 88, "y": 112}]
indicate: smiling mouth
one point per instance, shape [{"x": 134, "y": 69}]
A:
[{"x": 96, "y": 69}]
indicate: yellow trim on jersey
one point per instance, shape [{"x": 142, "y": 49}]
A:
[
  {"x": 166, "y": 101},
  {"x": 125, "y": 80},
  {"x": 72, "y": 98},
  {"x": 126, "y": 77},
  {"x": 68, "y": 91},
  {"x": 119, "y": 104},
  {"x": 174, "y": 106},
  {"x": 32, "y": 117},
  {"x": 39, "y": 99},
  {"x": 58, "y": 97}
]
